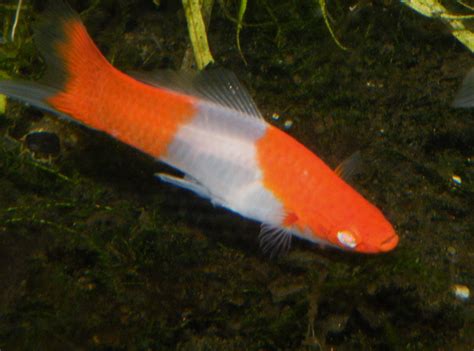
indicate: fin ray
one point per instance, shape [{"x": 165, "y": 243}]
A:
[
  {"x": 29, "y": 92},
  {"x": 274, "y": 240},
  {"x": 49, "y": 33},
  {"x": 349, "y": 167},
  {"x": 465, "y": 96},
  {"x": 73, "y": 62},
  {"x": 219, "y": 86},
  {"x": 185, "y": 183}
]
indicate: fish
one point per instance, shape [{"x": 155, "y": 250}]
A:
[
  {"x": 465, "y": 96},
  {"x": 207, "y": 127}
]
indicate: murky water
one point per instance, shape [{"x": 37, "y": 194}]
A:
[{"x": 97, "y": 254}]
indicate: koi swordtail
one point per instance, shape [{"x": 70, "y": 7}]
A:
[{"x": 207, "y": 126}]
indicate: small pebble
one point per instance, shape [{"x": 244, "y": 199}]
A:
[
  {"x": 456, "y": 179},
  {"x": 288, "y": 124},
  {"x": 374, "y": 84},
  {"x": 43, "y": 142},
  {"x": 283, "y": 291},
  {"x": 275, "y": 116},
  {"x": 461, "y": 292},
  {"x": 451, "y": 251},
  {"x": 336, "y": 324}
]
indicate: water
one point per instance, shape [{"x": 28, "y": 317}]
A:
[{"x": 95, "y": 253}]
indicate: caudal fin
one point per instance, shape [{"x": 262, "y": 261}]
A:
[
  {"x": 30, "y": 92},
  {"x": 74, "y": 65}
]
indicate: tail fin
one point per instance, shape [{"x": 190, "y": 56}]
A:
[
  {"x": 30, "y": 92},
  {"x": 74, "y": 65},
  {"x": 52, "y": 34}
]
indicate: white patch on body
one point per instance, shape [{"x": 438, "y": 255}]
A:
[{"x": 217, "y": 150}]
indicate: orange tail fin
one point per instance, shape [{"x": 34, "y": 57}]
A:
[
  {"x": 75, "y": 67},
  {"x": 80, "y": 84}
]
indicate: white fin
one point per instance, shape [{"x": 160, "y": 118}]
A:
[
  {"x": 465, "y": 96},
  {"x": 190, "y": 184},
  {"x": 186, "y": 183},
  {"x": 274, "y": 240},
  {"x": 219, "y": 86}
]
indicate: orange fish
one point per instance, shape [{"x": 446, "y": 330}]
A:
[{"x": 207, "y": 126}]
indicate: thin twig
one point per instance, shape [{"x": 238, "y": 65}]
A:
[{"x": 17, "y": 17}]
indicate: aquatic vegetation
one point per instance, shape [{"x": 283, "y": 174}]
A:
[
  {"x": 3, "y": 98},
  {"x": 197, "y": 30},
  {"x": 324, "y": 11},
  {"x": 17, "y": 18},
  {"x": 240, "y": 19},
  {"x": 242, "y": 8},
  {"x": 436, "y": 9}
]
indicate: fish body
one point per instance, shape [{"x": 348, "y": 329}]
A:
[{"x": 206, "y": 126}]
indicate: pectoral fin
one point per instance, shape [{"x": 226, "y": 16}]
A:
[
  {"x": 274, "y": 240},
  {"x": 350, "y": 167}
]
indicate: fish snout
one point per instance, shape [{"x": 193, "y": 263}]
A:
[
  {"x": 377, "y": 247},
  {"x": 389, "y": 244}
]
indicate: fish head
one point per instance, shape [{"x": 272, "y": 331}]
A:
[{"x": 365, "y": 234}]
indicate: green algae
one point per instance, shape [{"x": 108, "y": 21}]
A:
[
  {"x": 197, "y": 31},
  {"x": 97, "y": 254}
]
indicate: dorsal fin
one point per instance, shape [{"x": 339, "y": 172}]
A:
[{"x": 217, "y": 85}]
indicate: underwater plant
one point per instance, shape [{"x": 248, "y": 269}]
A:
[{"x": 435, "y": 9}]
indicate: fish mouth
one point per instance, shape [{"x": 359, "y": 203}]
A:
[{"x": 389, "y": 244}]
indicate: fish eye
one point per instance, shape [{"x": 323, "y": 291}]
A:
[{"x": 347, "y": 238}]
